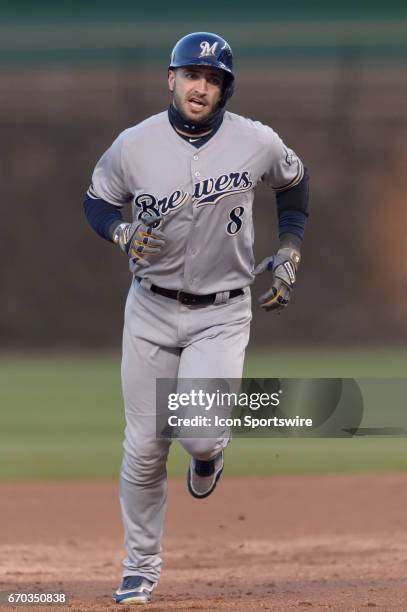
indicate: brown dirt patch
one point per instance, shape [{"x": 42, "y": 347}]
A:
[{"x": 282, "y": 543}]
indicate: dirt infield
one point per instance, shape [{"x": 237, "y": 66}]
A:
[{"x": 282, "y": 543}]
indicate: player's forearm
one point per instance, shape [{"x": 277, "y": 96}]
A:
[
  {"x": 102, "y": 216},
  {"x": 292, "y": 209}
]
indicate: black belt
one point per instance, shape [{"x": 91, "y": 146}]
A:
[{"x": 189, "y": 299}]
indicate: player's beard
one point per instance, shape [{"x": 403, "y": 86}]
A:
[{"x": 190, "y": 118}]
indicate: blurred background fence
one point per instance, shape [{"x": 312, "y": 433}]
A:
[{"x": 329, "y": 77}]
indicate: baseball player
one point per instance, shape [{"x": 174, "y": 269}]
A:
[{"x": 189, "y": 174}]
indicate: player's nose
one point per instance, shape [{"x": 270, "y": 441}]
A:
[{"x": 202, "y": 85}]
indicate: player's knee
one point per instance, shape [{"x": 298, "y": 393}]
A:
[
  {"x": 144, "y": 465},
  {"x": 142, "y": 471},
  {"x": 201, "y": 448}
]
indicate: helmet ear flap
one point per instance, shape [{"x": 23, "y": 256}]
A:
[{"x": 228, "y": 89}]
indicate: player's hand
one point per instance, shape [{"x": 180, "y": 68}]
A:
[
  {"x": 139, "y": 240},
  {"x": 283, "y": 266}
]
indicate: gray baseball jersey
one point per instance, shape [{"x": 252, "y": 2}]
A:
[{"x": 204, "y": 195}]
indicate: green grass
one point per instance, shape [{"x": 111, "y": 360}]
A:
[
  {"x": 353, "y": 363},
  {"x": 61, "y": 417}
]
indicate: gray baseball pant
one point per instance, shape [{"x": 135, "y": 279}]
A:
[{"x": 163, "y": 338}]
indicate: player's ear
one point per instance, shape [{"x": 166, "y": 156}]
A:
[{"x": 171, "y": 79}]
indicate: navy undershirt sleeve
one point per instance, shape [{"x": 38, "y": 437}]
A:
[
  {"x": 100, "y": 215},
  {"x": 292, "y": 222},
  {"x": 292, "y": 208}
]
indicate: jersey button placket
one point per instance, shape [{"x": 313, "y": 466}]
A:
[
  {"x": 195, "y": 167},
  {"x": 190, "y": 272}
]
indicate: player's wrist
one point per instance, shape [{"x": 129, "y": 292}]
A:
[
  {"x": 291, "y": 241},
  {"x": 290, "y": 249},
  {"x": 117, "y": 233}
]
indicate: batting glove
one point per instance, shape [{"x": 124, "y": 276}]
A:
[
  {"x": 283, "y": 266},
  {"x": 138, "y": 241}
]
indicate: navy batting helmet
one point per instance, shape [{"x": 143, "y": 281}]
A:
[{"x": 206, "y": 49}]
